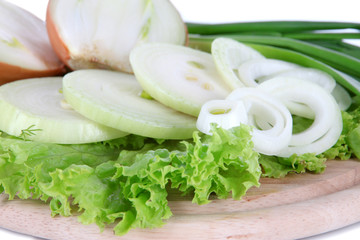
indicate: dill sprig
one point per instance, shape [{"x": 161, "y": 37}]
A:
[{"x": 30, "y": 131}]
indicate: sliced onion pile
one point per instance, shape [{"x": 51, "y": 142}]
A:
[
  {"x": 273, "y": 91},
  {"x": 318, "y": 77},
  {"x": 327, "y": 126},
  {"x": 270, "y": 118}
]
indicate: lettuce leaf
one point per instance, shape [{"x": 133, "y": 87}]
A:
[
  {"x": 277, "y": 167},
  {"x": 351, "y": 130},
  {"x": 347, "y": 146},
  {"x": 126, "y": 181}
]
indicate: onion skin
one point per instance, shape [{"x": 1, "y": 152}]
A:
[
  {"x": 59, "y": 47},
  {"x": 9, "y": 73},
  {"x": 62, "y": 51}
]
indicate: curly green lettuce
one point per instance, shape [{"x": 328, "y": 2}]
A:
[{"x": 126, "y": 180}]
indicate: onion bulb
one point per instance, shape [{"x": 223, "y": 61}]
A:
[
  {"x": 101, "y": 34},
  {"x": 25, "y": 49}
]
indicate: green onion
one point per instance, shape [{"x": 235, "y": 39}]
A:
[
  {"x": 268, "y": 26},
  {"x": 333, "y": 58},
  {"x": 340, "y": 46},
  {"x": 296, "y": 41},
  {"x": 321, "y": 36},
  {"x": 204, "y": 43}
]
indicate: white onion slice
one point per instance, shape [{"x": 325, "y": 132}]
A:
[
  {"x": 322, "y": 79},
  {"x": 352, "y": 81},
  {"x": 327, "y": 125},
  {"x": 250, "y": 71},
  {"x": 224, "y": 113},
  {"x": 36, "y": 105},
  {"x": 267, "y": 141},
  {"x": 265, "y": 119},
  {"x": 319, "y": 77},
  {"x": 228, "y": 55},
  {"x": 114, "y": 99},
  {"x": 177, "y": 76},
  {"x": 342, "y": 97},
  {"x": 320, "y": 145}
]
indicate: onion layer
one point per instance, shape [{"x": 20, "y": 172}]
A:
[
  {"x": 327, "y": 126},
  {"x": 250, "y": 71},
  {"x": 274, "y": 133},
  {"x": 224, "y": 113},
  {"x": 228, "y": 55}
]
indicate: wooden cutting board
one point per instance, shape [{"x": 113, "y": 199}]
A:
[{"x": 297, "y": 206}]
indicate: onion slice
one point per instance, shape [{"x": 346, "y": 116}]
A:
[
  {"x": 177, "y": 76},
  {"x": 224, "y": 113},
  {"x": 115, "y": 99},
  {"x": 265, "y": 108},
  {"x": 327, "y": 125},
  {"x": 228, "y": 55},
  {"x": 342, "y": 97},
  {"x": 319, "y": 77},
  {"x": 251, "y": 71},
  {"x": 34, "y": 107}
]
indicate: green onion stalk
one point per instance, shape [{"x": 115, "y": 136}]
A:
[{"x": 301, "y": 42}]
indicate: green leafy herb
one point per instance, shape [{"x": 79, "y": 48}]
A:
[{"x": 30, "y": 131}]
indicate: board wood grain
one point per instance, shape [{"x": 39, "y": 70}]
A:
[{"x": 297, "y": 206}]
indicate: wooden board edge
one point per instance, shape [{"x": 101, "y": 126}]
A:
[{"x": 291, "y": 221}]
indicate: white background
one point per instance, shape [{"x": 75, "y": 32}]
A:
[{"x": 220, "y": 11}]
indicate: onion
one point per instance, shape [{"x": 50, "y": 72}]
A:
[
  {"x": 225, "y": 113},
  {"x": 180, "y": 77},
  {"x": 250, "y": 71},
  {"x": 101, "y": 34},
  {"x": 270, "y": 118},
  {"x": 35, "y": 110},
  {"x": 229, "y": 55},
  {"x": 25, "y": 49},
  {"x": 327, "y": 126},
  {"x": 305, "y": 74},
  {"x": 342, "y": 97},
  {"x": 117, "y": 101}
]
